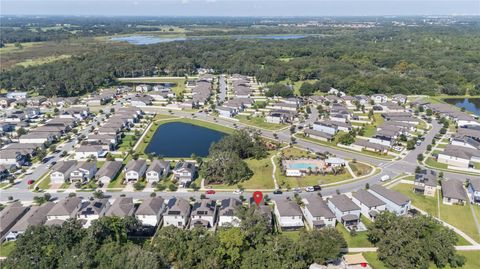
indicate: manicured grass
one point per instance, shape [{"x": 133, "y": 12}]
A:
[
  {"x": 357, "y": 241},
  {"x": 3, "y": 184},
  {"x": 6, "y": 248},
  {"x": 45, "y": 183},
  {"x": 294, "y": 235},
  {"x": 261, "y": 179},
  {"x": 333, "y": 145},
  {"x": 179, "y": 81},
  {"x": 360, "y": 169},
  {"x": 430, "y": 161},
  {"x": 296, "y": 152},
  {"x": 460, "y": 217},
  {"x": 128, "y": 142},
  {"x": 371, "y": 129},
  {"x": 425, "y": 203},
  {"x": 259, "y": 122}
]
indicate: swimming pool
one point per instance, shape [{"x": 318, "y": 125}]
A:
[{"x": 302, "y": 166}]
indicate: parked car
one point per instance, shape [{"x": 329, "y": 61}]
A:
[
  {"x": 317, "y": 188},
  {"x": 297, "y": 190},
  {"x": 210, "y": 192},
  {"x": 29, "y": 172},
  {"x": 385, "y": 178},
  {"x": 30, "y": 181},
  {"x": 237, "y": 192},
  {"x": 277, "y": 192}
]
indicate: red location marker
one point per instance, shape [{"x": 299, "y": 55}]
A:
[{"x": 258, "y": 197}]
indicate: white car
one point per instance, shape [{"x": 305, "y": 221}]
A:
[
  {"x": 385, "y": 178},
  {"x": 309, "y": 189},
  {"x": 237, "y": 192}
]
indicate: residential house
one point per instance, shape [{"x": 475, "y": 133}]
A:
[
  {"x": 89, "y": 151},
  {"x": 61, "y": 171},
  {"x": 226, "y": 112},
  {"x": 396, "y": 202},
  {"x": 474, "y": 190},
  {"x": 84, "y": 171},
  {"x": 346, "y": 211},
  {"x": 15, "y": 157},
  {"x": 280, "y": 116},
  {"x": 325, "y": 127},
  {"x": 17, "y": 95},
  {"x": 121, "y": 207},
  {"x": 37, "y": 215},
  {"x": 135, "y": 170},
  {"x": 40, "y": 138},
  {"x": 92, "y": 210},
  {"x": 453, "y": 192},
  {"x": 149, "y": 213},
  {"x": 203, "y": 214},
  {"x": 362, "y": 144},
  {"x": 10, "y": 215},
  {"x": 140, "y": 101},
  {"x": 177, "y": 213},
  {"x": 64, "y": 209},
  {"x": 317, "y": 214},
  {"x": 369, "y": 204},
  {"x": 157, "y": 169},
  {"x": 288, "y": 214},
  {"x": 462, "y": 157},
  {"x": 318, "y": 135},
  {"x": 399, "y": 98},
  {"x": 227, "y": 212},
  {"x": 379, "y": 98},
  {"x": 108, "y": 171},
  {"x": 184, "y": 172},
  {"x": 425, "y": 183}
]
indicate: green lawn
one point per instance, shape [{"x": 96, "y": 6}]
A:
[
  {"x": 460, "y": 217},
  {"x": 290, "y": 152},
  {"x": 360, "y": 169},
  {"x": 371, "y": 129},
  {"x": 128, "y": 142},
  {"x": 259, "y": 122},
  {"x": 430, "y": 161},
  {"x": 179, "y": 81},
  {"x": 6, "y": 248},
  {"x": 472, "y": 260},
  {"x": 357, "y": 241},
  {"x": 334, "y": 145},
  {"x": 45, "y": 183},
  {"x": 425, "y": 203},
  {"x": 261, "y": 179}
]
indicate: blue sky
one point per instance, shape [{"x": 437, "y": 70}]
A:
[{"x": 240, "y": 7}]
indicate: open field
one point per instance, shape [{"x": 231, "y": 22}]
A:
[
  {"x": 260, "y": 122},
  {"x": 179, "y": 82}
]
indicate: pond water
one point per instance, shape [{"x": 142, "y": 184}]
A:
[
  {"x": 178, "y": 139},
  {"x": 470, "y": 104},
  {"x": 148, "y": 40}
]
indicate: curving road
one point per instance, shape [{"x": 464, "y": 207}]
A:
[{"x": 392, "y": 168}]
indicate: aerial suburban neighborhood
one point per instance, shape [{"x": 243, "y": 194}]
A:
[{"x": 242, "y": 143}]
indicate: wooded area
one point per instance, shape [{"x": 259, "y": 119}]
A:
[{"x": 422, "y": 60}]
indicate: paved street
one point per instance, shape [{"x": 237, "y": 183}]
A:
[{"x": 391, "y": 168}]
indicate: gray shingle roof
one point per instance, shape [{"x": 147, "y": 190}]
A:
[
  {"x": 109, "y": 169},
  {"x": 122, "y": 207},
  {"x": 65, "y": 207},
  {"x": 177, "y": 206},
  {"x": 288, "y": 208},
  {"x": 205, "y": 207},
  {"x": 37, "y": 215},
  {"x": 151, "y": 206},
  {"x": 9, "y": 215},
  {"x": 158, "y": 166},
  {"x": 367, "y": 198},
  {"x": 318, "y": 208},
  {"x": 229, "y": 206},
  {"x": 63, "y": 166},
  {"x": 390, "y": 195},
  {"x": 343, "y": 203},
  {"x": 453, "y": 188},
  {"x": 135, "y": 165}
]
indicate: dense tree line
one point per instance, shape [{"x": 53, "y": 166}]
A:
[
  {"x": 105, "y": 244},
  {"x": 414, "y": 242},
  {"x": 225, "y": 162},
  {"x": 422, "y": 60}
]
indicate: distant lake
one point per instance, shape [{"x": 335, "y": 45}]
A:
[
  {"x": 148, "y": 40},
  {"x": 178, "y": 139},
  {"x": 470, "y": 104}
]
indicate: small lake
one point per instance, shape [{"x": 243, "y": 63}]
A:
[
  {"x": 470, "y": 104},
  {"x": 178, "y": 139},
  {"x": 148, "y": 40}
]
